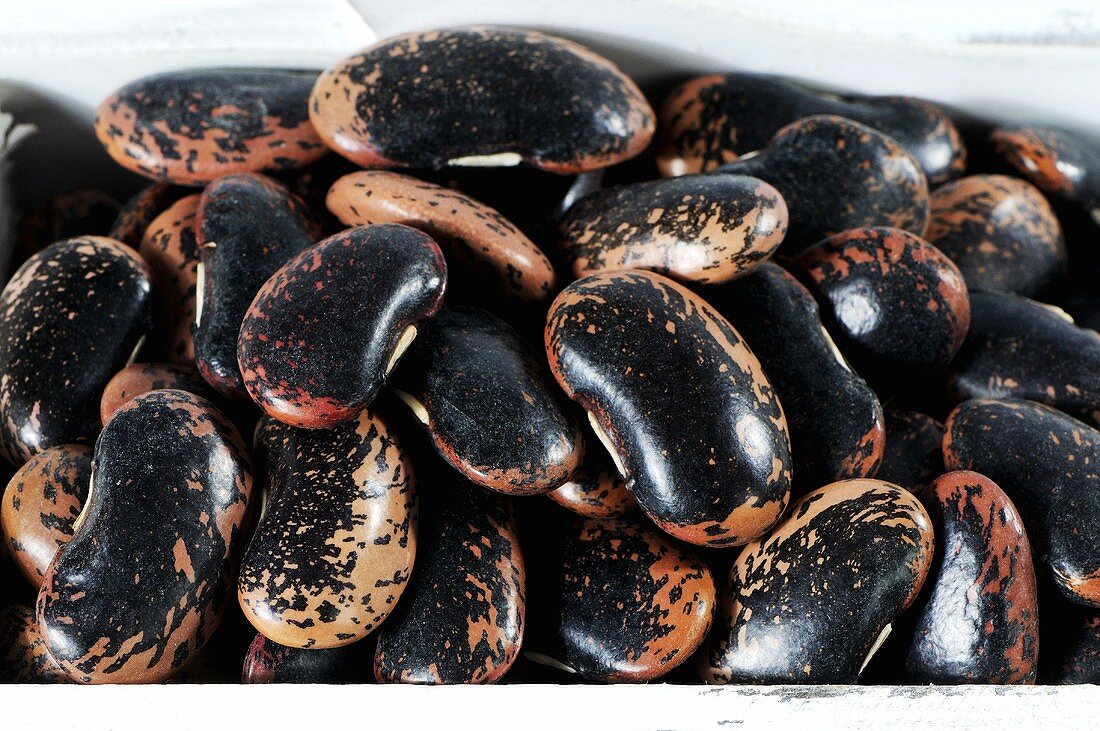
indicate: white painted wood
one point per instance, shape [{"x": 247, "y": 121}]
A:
[
  {"x": 1035, "y": 61},
  {"x": 76, "y": 51},
  {"x": 549, "y": 707}
]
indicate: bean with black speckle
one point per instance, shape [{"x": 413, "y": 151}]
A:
[
  {"x": 1020, "y": 348},
  {"x": 714, "y": 119},
  {"x": 809, "y": 602},
  {"x": 41, "y": 504},
  {"x": 465, "y": 96},
  {"x": 70, "y": 318},
  {"x": 1045, "y": 461},
  {"x": 462, "y": 617},
  {"x": 680, "y": 401},
  {"x": 190, "y": 127},
  {"x": 835, "y": 175},
  {"x": 247, "y": 226},
  {"x": 982, "y": 554},
  {"x": 334, "y": 549},
  {"x": 142, "y": 585}
]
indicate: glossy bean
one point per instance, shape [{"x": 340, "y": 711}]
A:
[
  {"x": 661, "y": 373},
  {"x": 162, "y": 518},
  {"x": 551, "y": 103}
]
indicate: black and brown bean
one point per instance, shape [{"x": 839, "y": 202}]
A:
[
  {"x": 247, "y": 227},
  {"x": 70, "y": 318},
  {"x": 835, "y": 419},
  {"x": 632, "y": 604},
  {"x": 1020, "y": 348},
  {"x": 143, "y": 582},
  {"x": 334, "y": 548},
  {"x": 914, "y": 450},
  {"x": 64, "y": 216},
  {"x": 1046, "y": 462},
  {"x": 679, "y": 400},
  {"x": 488, "y": 403},
  {"x": 462, "y": 617},
  {"x": 893, "y": 297},
  {"x": 835, "y": 175},
  {"x": 170, "y": 247},
  {"x": 714, "y": 119},
  {"x": 141, "y": 210},
  {"x": 596, "y": 489},
  {"x": 809, "y": 602},
  {"x": 1060, "y": 163},
  {"x": 697, "y": 228},
  {"x": 979, "y": 623},
  {"x": 138, "y": 378},
  {"x": 1000, "y": 231},
  {"x": 190, "y": 127},
  {"x": 326, "y": 329},
  {"x": 481, "y": 245},
  {"x": 270, "y": 662},
  {"x": 136, "y": 547},
  {"x": 480, "y": 96},
  {"x": 41, "y": 504},
  {"x": 23, "y": 654}
]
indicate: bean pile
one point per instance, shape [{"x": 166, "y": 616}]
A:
[{"x": 529, "y": 382}]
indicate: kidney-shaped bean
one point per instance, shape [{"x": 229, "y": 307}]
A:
[
  {"x": 680, "y": 401},
  {"x": 70, "y": 318},
  {"x": 480, "y": 96},
  {"x": 333, "y": 551},
  {"x": 143, "y": 582}
]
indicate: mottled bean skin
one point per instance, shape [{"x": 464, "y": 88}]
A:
[
  {"x": 270, "y": 662},
  {"x": 698, "y": 228},
  {"x": 1021, "y": 349},
  {"x": 69, "y": 320},
  {"x": 190, "y": 127},
  {"x": 979, "y": 622},
  {"x": 41, "y": 504},
  {"x": 596, "y": 489},
  {"x": 335, "y": 546},
  {"x": 835, "y": 175},
  {"x": 143, "y": 582},
  {"x": 663, "y": 374},
  {"x": 892, "y": 296},
  {"x": 481, "y": 245},
  {"x": 834, "y": 417},
  {"x": 138, "y": 378},
  {"x": 247, "y": 227},
  {"x": 429, "y": 99},
  {"x": 325, "y": 330},
  {"x": 1058, "y": 162},
  {"x": 171, "y": 249},
  {"x": 141, "y": 209},
  {"x": 807, "y": 603},
  {"x": 711, "y": 120},
  {"x": 23, "y": 654},
  {"x": 491, "y": 409},
  {"x": 633, "y": 605},
  {"x": 461, "y": 619},
  {"x": 1000, "y": 232},
  {"x": 1045, "y": 462},
  {"x": 913, "y": 453}
]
